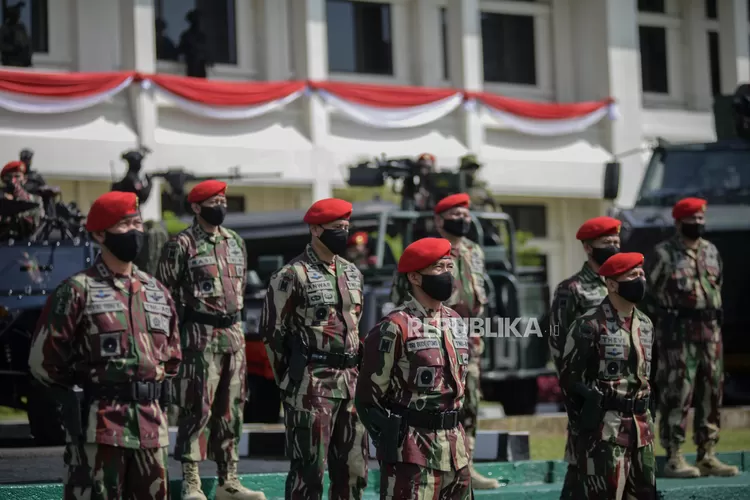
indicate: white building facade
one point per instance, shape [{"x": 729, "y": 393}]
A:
[{"x": 661, "y": 60}]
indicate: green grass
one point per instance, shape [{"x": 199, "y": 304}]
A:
[
  {"x": 11, "y": 414},
  {"x": 551, "y": 447}
]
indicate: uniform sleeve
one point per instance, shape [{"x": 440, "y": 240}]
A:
[
  {"x": 52, "y": 344},
  {"x": 720, "y": 278},
  {"x": 561, "y": 316},
  {"x": 244, "y": 258},
  {"x": 174, "y": 349},
  {"x": 170, "y": 268},
  {"x": 579, "y": 346},
  {"x": 382, "y": 347},
  {"x": 276, "y": 319}
]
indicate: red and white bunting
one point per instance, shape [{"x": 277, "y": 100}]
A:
[
  {"x": 545, "y": 119},
  {"x": 47, "y": 93},
  {"x": 382, "y": 106},
  {"x": 225, "y": 100}
]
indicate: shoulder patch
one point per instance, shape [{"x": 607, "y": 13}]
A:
[
  {"x": 284, "y": 284},
  {"x": 386, "y": 344},
  {"x": 586, "y": 330}
]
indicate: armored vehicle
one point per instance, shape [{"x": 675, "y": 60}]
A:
[{"x": 719, "y": 172}]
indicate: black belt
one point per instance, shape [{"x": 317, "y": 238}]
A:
[
  {"x": 340, "y": 361},
  {"x": 696, "y": 314},
  {"x": 143, "y": 391},
  {"x": 215, "y": 320},
  {"x": 428, "y": 419},
  {"x": 626, "y": 405}
]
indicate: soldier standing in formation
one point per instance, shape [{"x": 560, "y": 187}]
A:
[
  {"x": 310, "y": 325},
  {"x": 584, "y": 290},
  {"x": 685, "y": 280},
  {"x": 204, "y": 268},
  {"x": 604, "y": 373},
  {"x": 411, "y": 387},
  {"x": 112, "y": 329},
  {"x": 22, "y": 225},
  {"x": 453, "y": 222}
]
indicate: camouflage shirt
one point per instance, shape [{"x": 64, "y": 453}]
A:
[
  {"x": 574, "y": 296},
  {"x": 684, "y": 278},
  {"x": 22, "y": 225},
  {"x": 419, "y": 368},
  {"x": 206, "y": 274},
  {"x": 322, "y": 304},
  {"x": 102, "y": 329},
  {"x": 612, "y": 354},
  {"x": 156, "y": 238}
]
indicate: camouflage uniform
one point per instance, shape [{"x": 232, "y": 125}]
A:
[
  {"x": 105, "y": 332},
  {"x": 206, "y": 275},
  {"x": 313, "y": 309},
  {"x": 614, "y": 455},
  {"x": 22, "y": 225},
  {"x": 573, "y": 296},
  {"x": 418, "y": 372},
  {"x": 685, "y": 283},
  {"x": 156, "y": 237}
]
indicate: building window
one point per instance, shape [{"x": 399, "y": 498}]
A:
[
  {"x": 359, "y": 37},
  {"x": 655, "y": 6},
  {"x": 528, "y": 218},
  {"x": 508, "y": 48},
  {"x": 654, "y": 71},
  {"x": 236, "y": 204},
  {"x": 34, "y": 17},
  {"x": 217, "y": 20},
  {"x": 711, "y": 9},
  {"x": 446, "y": 47},
  {"x": 714, "y": 62}
]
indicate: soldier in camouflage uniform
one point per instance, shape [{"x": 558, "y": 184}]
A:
[
  {"x": 112, "y": 330},
  {"x": 685, "y": 279},
  {"x": 204, "y": 268},
  {"x": 310, "y": 325},
  {"x": 477, "y": 189},
  {"x": 411, "y": 388},
  {"x": 156, "y": 237},
  {"x": 357, "y": 252},
  {"x": 604, "y": 373},
  {"x": 469, "y": 299},
  {"x": 22, "y": 225},
  {"x": 600, "y": 237}
]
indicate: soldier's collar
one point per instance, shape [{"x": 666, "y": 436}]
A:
[
  {"x": 314, "y": 259},
  {"x": 201, "y": 233},
  {"x": 413, "y": 304},
  {"x": 588, "y": 272}
]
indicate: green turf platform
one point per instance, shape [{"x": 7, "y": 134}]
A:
[{"x": 524, "y": 481}]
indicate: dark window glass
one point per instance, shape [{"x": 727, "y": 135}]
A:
[
  {"x": 34, "y": 17},
  {"x": 235, "y": 203},
  {"x": 446, "y": 49},
  {"x": 218, "y": 22},
  {"x": 508, "y": 48},
  {"x": 651, "y": 6},
  {"x": 653, "y": 42},
  {"x": 711, "y": 10},
  {"x": 528, "y": 218},
  {"x": 713, "y": 58},
  {"x": 359, "y": 37}
]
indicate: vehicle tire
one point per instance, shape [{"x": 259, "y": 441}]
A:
[
  {"x": 44, "y": 421},
  {"x": 519, "y": 397}
]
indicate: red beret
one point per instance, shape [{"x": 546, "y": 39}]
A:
[
  {"x": 12, "y": 166},
  {"x": 620, "y": 263},
  {"x": 454, "y": 200},
  {"x": 597, "y": 227},
  {"x": 423, "y": 253},
  {"x": 328, "y": 210},
  {"x": 109, "y": 209},
  {"x": 358, "y": 238},
  {"x": 687, "y": 207},
  {"x": 206, "y": 189}
]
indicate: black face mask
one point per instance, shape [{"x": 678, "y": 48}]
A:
[
  {"x": 438, "y": 286},
  {"x": 692, "y": 231},
  {"x": 600, "y": 255},
  {"x": 214, "y": 215},
  {"x": 335, "y": 240},
  {"x": 124, "y": 246},
  {"x": 633, "y": 290},
  {"x": 457, "y": 227}
]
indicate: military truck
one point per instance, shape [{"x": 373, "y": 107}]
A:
[{"x": 720, "y": 173}]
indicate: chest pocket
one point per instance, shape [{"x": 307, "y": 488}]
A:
[
  {"x": 158, "y": 320},
  {"x": 322, "y": 299},
  {"x": 204, "y": 275},
  {"x": 711, "y": 264},
  {"x": 426, "y": 364},
  {"x": 107, "y": 332},
  {"x": 613, "y": 356},
  {"x": 684, "y": 274}
]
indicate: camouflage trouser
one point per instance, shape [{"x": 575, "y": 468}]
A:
[
  {"x": 102, "y": 472},
  {"x": 471, "y": 400},
  {"x": 401, "y": 481},
  {"x": 211, "y": 392},
  {"x": 691, "y": 372},
  {"x": 320, "y": 430},
  {"x": 613, "y": 472}
]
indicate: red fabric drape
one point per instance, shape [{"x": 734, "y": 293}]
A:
[
  {"x": 384, "y": 96},
  {"x": 539, "y": 110},
  {"x": 60, "y": 85},
  {"x": 219, "y": 93}
]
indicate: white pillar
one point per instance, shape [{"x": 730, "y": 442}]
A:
[
  {"x": 426, "y": 29},
  {"x": 562, "y": 51},
  {"x": 96, "y": 30},
  {"x": 697, "y": 70},
  {"x": 465, "y": 64},
  {"x": 139, "y": 54},
  {"x": 733, "y": 44},
  {"x": 311, "y": 63},
  {"x": 274, "y": 15}
]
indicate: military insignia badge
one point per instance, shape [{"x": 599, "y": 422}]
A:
[
  {"x": 284, "y": 285},
  {"x": 385, "y": 345}
]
